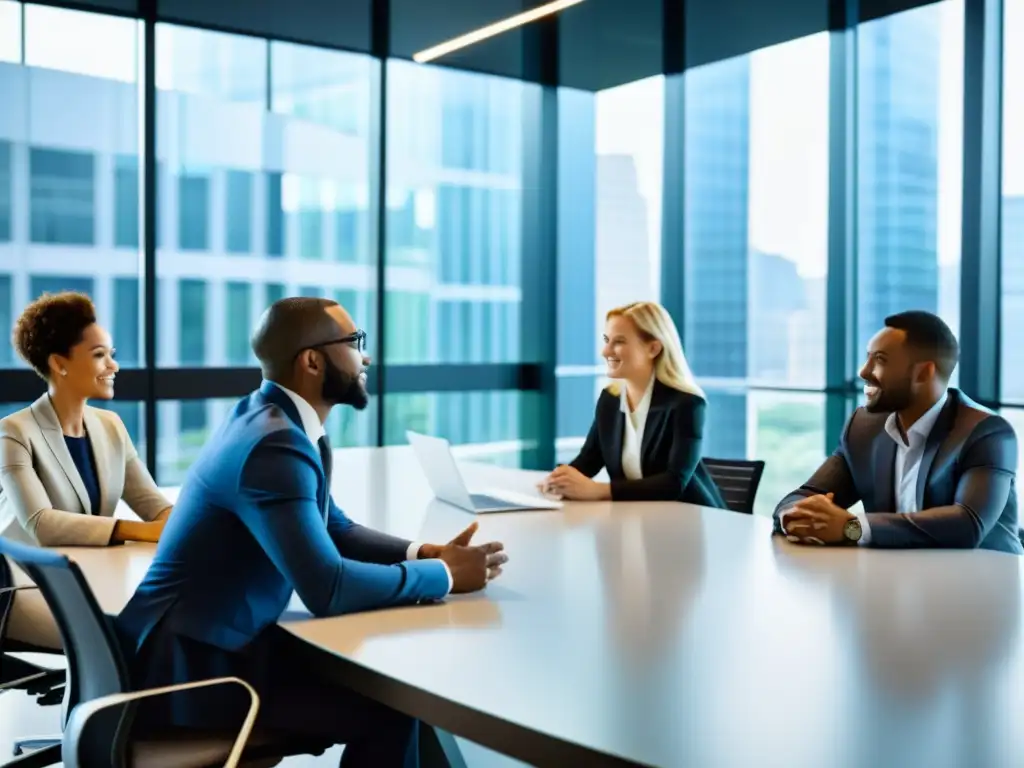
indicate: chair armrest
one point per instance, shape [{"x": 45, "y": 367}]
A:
[
  {"x": 4, "y": 590},
  {"x": 21, "y": 682},
  {"x": 83, "y": 712}
]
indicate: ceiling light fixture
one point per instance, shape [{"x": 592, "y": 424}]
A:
[{"x": 491, "y": 30}]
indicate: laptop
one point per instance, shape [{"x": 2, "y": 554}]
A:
[{"x": 435, "y": 457}]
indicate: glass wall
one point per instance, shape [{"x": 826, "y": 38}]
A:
[
  {"x": 756, "y": 250},
  {"x": 69, "y": 158},
  {"x": 267, "y": 173},
  {"x": 1012, "y": 358},
  {"x": 611, "y": 155},
  {"x": 263, "y": 172},
  {"x": 454, "y": 231},
  {"x": 910, "y": 157}
]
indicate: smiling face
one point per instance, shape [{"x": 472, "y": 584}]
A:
[
  {"x": 892, "y": 377},
  {"x": 344, "y": 381},
  {"x": 89, "y": 368},
  {"x": 626, "y": 353}
]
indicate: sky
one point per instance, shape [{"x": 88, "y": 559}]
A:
[{"x": 789, "y": 120}]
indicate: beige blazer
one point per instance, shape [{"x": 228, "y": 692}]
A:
[{"x": 43, "y": 500}]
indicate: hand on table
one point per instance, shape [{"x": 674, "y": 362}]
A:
[
  {"x": 569, "y": 483},
  {"x": 815, "y": 520},
  {"x": 471, "y": 566}
]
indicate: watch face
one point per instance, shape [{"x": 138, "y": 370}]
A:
[{"x": 852, "y": 530}]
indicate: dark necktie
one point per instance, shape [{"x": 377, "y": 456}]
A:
[{"x": 327, "y": 460}]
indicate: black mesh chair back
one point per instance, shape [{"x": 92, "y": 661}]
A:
[
  {"x": 6, "y": 595},
  {"x": 737, "y": 480},
  {"x": 96, "y": 666}
]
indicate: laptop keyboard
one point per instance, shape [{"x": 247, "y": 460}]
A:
[{"x": 483, "y": 501}]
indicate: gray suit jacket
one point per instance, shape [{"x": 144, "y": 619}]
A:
[
  {"x": 965, "y": 487},
  {"x": 42, "y": 497}
]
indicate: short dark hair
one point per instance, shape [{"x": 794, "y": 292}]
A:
[
  {"x": 52, "y": 325},
  {"x": 930, "y": 337},
  {"x": 289, "y": 326}
]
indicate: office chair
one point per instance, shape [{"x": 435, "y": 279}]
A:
[
  {"x": 737, "y": 480},
  {"x": 99, "y": 702},
  {"x": 20, "y": 675},
  {"x": 15, "y": 673}
]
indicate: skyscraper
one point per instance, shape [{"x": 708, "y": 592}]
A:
[
  {"x": 716, "y": 155},
  {"x": 898, "y": 122}
]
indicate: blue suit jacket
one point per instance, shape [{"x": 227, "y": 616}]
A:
[
  {"x": 247, "y": 530},
  {"x": 965, "y": 486}
]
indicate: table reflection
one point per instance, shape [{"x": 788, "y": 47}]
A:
[{"x": 651, "y": 569}]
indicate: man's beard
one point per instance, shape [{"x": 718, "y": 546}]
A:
[
  {"x": 340, "y": 388},
  {"x": 891, "y": 399}
]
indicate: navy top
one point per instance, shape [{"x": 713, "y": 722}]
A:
[{"x": 81, "y": 454}]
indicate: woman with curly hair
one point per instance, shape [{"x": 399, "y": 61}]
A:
[{"x": 65, "y": 465}]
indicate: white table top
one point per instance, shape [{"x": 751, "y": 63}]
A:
[{"x": 674, "y": 635}]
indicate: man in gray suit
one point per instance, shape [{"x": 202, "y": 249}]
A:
[{"x": 931, "y": 467}]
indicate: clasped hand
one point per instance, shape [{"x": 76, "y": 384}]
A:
[
  {"x": 471, "y": 567},
  {"x": 569, "y": 483},
  {"x": 815, "y": 520}
]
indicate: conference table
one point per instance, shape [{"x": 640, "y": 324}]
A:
[{"x": 666, "y": 634}]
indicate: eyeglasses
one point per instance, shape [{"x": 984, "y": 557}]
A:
[{"x": 356, "y": 340}]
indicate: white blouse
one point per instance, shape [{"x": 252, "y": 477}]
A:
[{"x": 633, "y": 434}]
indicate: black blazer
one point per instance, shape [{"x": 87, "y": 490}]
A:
[
  {"x": 965, "y": 486},
  {"x": 670, "y": 455}
]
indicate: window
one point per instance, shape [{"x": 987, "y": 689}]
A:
[
  {"x": 454, "y": 213},
  {"x": 482, "y": 426},
  {"x": 62, "y": 196},
  {"x": 756, "y": 143},
  {"x": 10, "y": 31},
  {"x": 193, "y": 212},
  {"x": 239, "y": 212},
  {"x": 57, "y": 284},
  {"x": 5, "y": 191},
  {"x": 126, "y": 201},
  {"x": 192, "y": 314},
  {"x": 610, "y": 225},
  {"x": 310, "y": 222},
  {"x": 275, "y": 216},
  {"x": 349, "y": 428},
  {"x": 258, "y": 221},
  {"x": 1016, "y": 418},
  {"x": 6, "y": 321},
  {"x": 131, "y": 415},
  {"x": 275, "y": 292},
  {"x": 184, "y": 428},
  {"x": 910, "y": 132},
  {"x": 756, "y": 235},
  {"x": 236, "y": 323},
  {"x": 127, "y": 322},
  {"x": 1012, "y": 361},
  {"x": 68, "y": 41}
]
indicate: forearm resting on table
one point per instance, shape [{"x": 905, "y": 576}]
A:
[{"x": 137, "y": 530}]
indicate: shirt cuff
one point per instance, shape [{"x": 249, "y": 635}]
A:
[
  {"x": 413, "y": 554},
  {"x": 865, "y": 530}
]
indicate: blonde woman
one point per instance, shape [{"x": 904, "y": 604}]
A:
[{"x": 649, "y": 426}]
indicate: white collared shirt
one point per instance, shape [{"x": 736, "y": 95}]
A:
[
  {"x": 633, "y": 433},
  {"x": 909, "y": 453},
  {"x": 314, "y": 430}
]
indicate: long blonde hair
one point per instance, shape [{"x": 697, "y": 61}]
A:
[{"x": 654, "y": 323}]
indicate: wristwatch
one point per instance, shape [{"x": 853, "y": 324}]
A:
[{"x": 852, "y": 530}]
